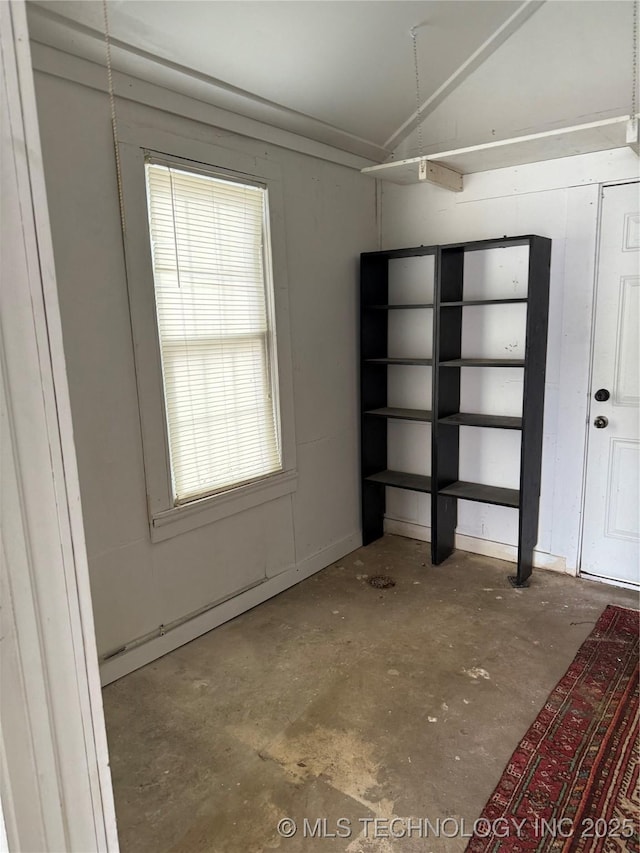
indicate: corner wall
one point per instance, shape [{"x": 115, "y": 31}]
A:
[
  {"x": 557, "y": 199},
  {"x": 139, "y": 587}
]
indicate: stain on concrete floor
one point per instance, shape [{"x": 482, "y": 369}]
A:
[{"x": 336, "y": 700}]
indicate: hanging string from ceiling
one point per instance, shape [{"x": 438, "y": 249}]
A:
[
  {"x": 416, "y": 66},
  {"x": 634, "y": 62},
  {"x": 112, "y": 108},
  {"x": 422, "y": 165},
  {"x": 633, "y": 138}
]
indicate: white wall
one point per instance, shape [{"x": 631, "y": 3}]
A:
[
  {"x": 557, "y": 199},
  {"x": 138, "y": 586}
]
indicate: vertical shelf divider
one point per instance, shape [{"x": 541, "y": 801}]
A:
[
  {"x": 535, "y": 359},
  {"x": 447, "y": 344},
  {"x": 374, "y": 289}
]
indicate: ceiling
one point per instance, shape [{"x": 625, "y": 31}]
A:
[{"x": 324, "y": 65}]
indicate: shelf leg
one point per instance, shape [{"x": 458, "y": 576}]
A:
[
  {"x": 513, "y": 580},
  {"x": 443, "y": 528},
  {"x": 373, "y": 507},
  {"x": 525, "y": 555}
]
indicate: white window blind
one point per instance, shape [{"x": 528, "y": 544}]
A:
[{"x": 211, "y": 267}]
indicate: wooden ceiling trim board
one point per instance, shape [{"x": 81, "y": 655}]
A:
[
  {"x": 588, "y": 138},
  {"x": 56, "y": 31},
  {"x": 519, "y": 17},
  {"x": 67, "y": 66}
]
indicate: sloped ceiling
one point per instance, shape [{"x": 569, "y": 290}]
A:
[
  {"x": 343, "y": 72},
  {"x": 569, "y": 64}
]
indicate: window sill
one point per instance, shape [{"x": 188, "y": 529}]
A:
[{"x": 182, "y": 519}]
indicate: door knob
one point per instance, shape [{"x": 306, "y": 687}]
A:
[
  {"x": 601, "y": 422},
  {"x": 602, "y": 395}
]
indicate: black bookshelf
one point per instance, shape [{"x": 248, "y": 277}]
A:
[{"x": 445, "y": 416}]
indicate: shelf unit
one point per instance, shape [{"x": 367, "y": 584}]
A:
[{"x": 448, "y": 305}]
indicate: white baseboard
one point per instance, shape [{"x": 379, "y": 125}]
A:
[
  {"x": 142, "y": 654},
  {"x": 486, "y": 547}
]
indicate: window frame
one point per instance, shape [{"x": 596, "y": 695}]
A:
[
  {"x": 136, "y": 146},
  {"x": 266, "y": 339}
]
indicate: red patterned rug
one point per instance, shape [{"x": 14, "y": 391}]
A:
[{"x": 572, "y": 783}]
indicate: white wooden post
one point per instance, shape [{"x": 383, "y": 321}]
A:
[{"x": 55, "y": 785}]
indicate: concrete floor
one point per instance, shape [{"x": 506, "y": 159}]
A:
[{"x": 338, "y": 700}]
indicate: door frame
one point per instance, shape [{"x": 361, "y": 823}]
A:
[
  {"x": 592, "y": 339},
  {"x": 55, "y": 782}
]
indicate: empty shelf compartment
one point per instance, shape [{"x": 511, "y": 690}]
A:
[
  {"x": 480, "y": 420},
  {"x": 422, "y": 361},
  {"x": 461, "y": 302},
  {"x": 483, "y": 494},
  {"x": 395, "y": 306},
  {"x": 402, "y": 480},
  {"x": 483, "y": 362},
  {"x": 402, "y": 414}
]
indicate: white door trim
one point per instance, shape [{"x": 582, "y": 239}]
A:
[
  {"x": 55, "y": 785},
  {"x": 592, "y": 333},
  {"x": 602, "y": 186}
]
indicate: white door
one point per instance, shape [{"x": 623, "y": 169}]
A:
[{"x": 611, "y": 536}]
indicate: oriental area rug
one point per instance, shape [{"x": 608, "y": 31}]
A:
[{"x": 571, "y": 786}]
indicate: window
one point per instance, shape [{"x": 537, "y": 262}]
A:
[
  {"x": 205, "y": 226},
  {"x": 214, "y": 307}
]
